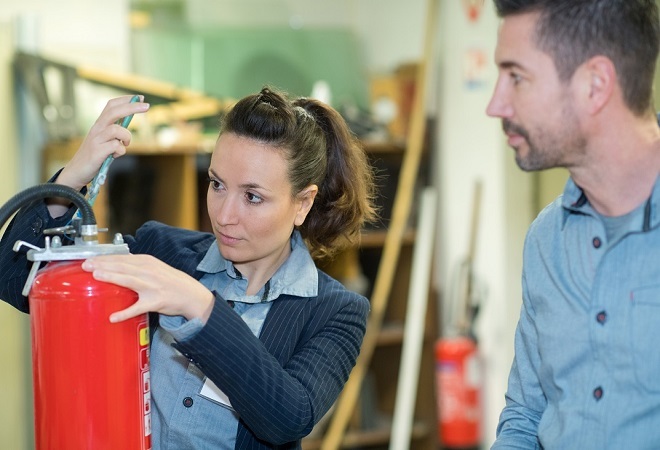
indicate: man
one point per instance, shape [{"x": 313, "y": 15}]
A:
[{"x": 575, "y": 91}]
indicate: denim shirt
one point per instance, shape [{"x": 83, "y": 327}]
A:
[
  {"x": 204, "y": 421},
  {"x": 586, "y": 372}
]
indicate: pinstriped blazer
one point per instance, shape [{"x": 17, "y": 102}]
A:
[{"x": 281, "y": 383}]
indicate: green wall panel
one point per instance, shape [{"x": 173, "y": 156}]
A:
[{"x": 230, "y": 63}]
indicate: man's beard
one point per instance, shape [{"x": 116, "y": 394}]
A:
[{"x": 546, "y": 151}]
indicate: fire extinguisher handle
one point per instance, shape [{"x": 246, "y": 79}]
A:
[
  {"x": 33, "y": 270},
  {"x": 30, "y": 279},
  {"x": 19, "y": 244}
]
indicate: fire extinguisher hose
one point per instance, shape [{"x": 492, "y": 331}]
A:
[{"x": 47, "y": 190}]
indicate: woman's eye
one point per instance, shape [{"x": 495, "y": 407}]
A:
[
  {"x": 253, "y": 198},
  {"x": 215, "y": 184}
]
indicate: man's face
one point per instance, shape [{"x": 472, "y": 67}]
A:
[{"x": 536, "y": 108}]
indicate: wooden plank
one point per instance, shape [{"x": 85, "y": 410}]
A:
[
  {"x": 400, "y": 214},
  {"x": 189, "y": 109},
  {"x": 136, "y": 83}
]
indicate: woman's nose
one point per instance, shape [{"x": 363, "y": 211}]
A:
[{"x": 227, "y": 210}]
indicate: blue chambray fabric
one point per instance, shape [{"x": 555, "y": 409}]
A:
[
  {"x": 208, "y": 424},
  {"x": 586, "y": 373}
]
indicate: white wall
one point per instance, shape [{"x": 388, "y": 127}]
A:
[
  {"x": 392, "y": 32},
  {"x": 14, "y": 341},
  {"x": 471, "y": 148},
  {"x": 93, "y": 32}
]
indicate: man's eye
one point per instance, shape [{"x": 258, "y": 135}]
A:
[{"x": 516, "y": 78}]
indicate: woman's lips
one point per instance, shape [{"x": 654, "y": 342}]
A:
[{"x": 227, "y": 240}]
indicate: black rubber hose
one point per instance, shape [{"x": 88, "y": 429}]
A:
[{"x": 47, "y": 190}]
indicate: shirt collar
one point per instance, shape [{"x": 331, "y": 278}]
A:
[
  {"x": 574, "y": 200},
  {"x": 297, "y": 276}
]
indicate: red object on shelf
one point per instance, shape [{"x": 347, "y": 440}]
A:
[
  {"x": 91, "y": 377},
  {"x": 458, "y": 381}
]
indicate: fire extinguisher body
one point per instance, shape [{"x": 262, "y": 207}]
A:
[
  {"x": 90, "y": 377},
  {"x": 458, "y": 381}
]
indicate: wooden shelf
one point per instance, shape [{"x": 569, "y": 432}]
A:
[
  {"x": 190, "y": 148},
  {"x": 378, "y": 147},
  {"x": 376, "y": 238},
  {"x": 392, "y": 333}
]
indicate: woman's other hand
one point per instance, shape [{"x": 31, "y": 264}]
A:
[{"x": 104, "y": 138}]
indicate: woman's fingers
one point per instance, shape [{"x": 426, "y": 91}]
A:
[
  {"x": 120, "y": 107},
  {"x": 134, "y": 310},
  {"x": 104, "y": 138},
  {"x": 160, "y": 287}
]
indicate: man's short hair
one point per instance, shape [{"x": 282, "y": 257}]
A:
[{"x": 573, "y": 31}]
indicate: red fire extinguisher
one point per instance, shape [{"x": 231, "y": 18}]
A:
[
  {"x": 458, "y": 379},
  {"x": 91, "y": 377},
  {"x": 458, "y": 365}
]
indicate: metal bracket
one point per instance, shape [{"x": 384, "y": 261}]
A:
[{"x": 55, "y": 251}]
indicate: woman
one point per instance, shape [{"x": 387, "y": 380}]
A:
[{"x": 252, "y": 343}]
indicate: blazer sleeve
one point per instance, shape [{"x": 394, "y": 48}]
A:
[
  {"x": 28, "y": 225},
  {"x": 282, "y": 391}
]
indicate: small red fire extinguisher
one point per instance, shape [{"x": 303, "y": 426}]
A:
[
  {"x": 90, "y": 376},
  {"x": 458, "y": 363},
  {"x": 458, "y": 379}
]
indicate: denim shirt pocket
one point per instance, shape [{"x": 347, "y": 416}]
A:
[{"x": 646, "y": 336}]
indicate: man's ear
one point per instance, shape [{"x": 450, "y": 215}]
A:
[
  {"x": 597, "y": 82},
  {"x": 306, "y": 200}
]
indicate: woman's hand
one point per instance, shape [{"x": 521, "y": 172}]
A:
[
  {"x": 105, "y": 138},
  {"x": 160, "y": 287}
]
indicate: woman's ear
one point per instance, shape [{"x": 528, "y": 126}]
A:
[{"x": 305, "y": 200}]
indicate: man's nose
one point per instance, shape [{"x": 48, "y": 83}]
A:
[{"x": 499, "y": 105}]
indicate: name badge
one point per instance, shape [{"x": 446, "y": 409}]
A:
[{"x": 214, "y": 393}]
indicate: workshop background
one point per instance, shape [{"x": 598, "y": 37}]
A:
[{"x": 358, "y": 55}]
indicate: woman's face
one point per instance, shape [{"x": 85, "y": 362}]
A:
[{"x": 250, "y": 203}]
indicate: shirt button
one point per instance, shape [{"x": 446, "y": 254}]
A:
[
  {"x": 598, "y": 393},
  {"x": 601, "y": 317},
  {"x": 597, "y": 242},
  {"x": 36, "y": 226},
  {"x": 187, "y": 402}
]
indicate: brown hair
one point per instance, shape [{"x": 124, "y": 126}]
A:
[
  {"x": 320, "y": 149},
  {"x": 573, "y": 31}
]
